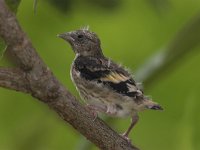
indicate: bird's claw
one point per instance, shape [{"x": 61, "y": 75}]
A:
[
  {"x": 124, "y": 136},
  {"x": 92, "y": 109}
]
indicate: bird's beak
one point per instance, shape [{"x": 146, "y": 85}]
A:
[
  {"x": 62, "y": 35},
  {"x": 66, "y": 36}
]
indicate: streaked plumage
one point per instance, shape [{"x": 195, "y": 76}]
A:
[{"x": 102, "y": 83}]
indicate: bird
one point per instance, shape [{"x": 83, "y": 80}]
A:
[{"x": 105, "y": 86}]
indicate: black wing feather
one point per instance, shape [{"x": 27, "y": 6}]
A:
[
  {"x": 122, "y": 87},
  {"x": 90, "y": 69},
  {"x": 93, "y": 70}
]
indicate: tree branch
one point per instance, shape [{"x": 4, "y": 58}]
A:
[
  {"x": 39, "y": 81},
  {"x": 13, "y": 79}
]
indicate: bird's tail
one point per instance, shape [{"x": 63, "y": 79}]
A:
[{"x": 152, "y": 105}]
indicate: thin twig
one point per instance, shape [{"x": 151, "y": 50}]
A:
[
  {"x": 183, "y": 43},
  {"x": 35, "y": 2}
]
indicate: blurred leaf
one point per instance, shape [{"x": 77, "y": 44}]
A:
[
  {"x": 63, "y": 5},
  {"x": 13, "y": 5},
  {"x": 186, "y": 40},
  {"x": 160, "y": 5},
  {"x": 106, "y": 4}
]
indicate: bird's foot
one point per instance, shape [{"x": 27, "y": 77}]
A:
[
  {"x": 93, "y": 110},
  {"x": 133, "y": 122},
  {"x": 124, "y": 135},
  {"x": 111, "y": 110}
]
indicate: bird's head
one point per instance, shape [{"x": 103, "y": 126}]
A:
[{"x": 83, "y": 42}]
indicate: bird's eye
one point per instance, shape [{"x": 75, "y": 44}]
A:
[{"x": 80, "y": 36}]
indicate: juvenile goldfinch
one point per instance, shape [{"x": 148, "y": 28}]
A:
[{"x": 104, "y": 85}]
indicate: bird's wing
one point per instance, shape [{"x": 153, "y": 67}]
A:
[{"x": 104, "y": 71}]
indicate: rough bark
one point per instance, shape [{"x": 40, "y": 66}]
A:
[{"x": 35, "y": 78}]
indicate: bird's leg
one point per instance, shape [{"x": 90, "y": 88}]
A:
[
  {"x": 134, "y": 120},
  {"x": 94, "y": 109}
]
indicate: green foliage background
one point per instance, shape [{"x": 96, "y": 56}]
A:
[{"x": 131, "y": 31}]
